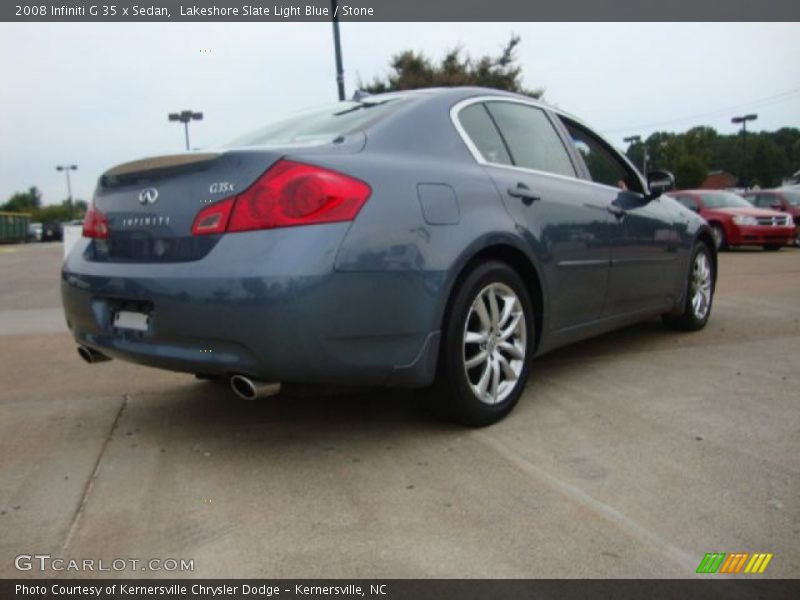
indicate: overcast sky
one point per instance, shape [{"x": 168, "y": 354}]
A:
[{"x": 98, "y": 94}]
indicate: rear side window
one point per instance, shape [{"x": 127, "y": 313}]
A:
[
  {"x": 484, "y": 135},
  {"x": 531, "y": 138}
]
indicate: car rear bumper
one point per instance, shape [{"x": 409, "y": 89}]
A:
[
  {"x": 269, "y": 305},
  {"x": 761, "y": 235}
]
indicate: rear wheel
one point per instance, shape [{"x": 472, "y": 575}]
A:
[
  {"x": 718, "y": 232},
  {"x": 699, "y": 293},
  {"x": 487, "y": 346}
]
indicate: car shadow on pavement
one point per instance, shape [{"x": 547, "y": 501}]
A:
[{"x": 211, "y": 409}]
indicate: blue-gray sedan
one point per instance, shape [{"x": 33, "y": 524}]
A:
[{"x": 443, "y": 236}]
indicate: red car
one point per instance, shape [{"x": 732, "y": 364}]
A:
[
  {"x": 785, "y": 200},
  {"x": 736, "y": 222}
]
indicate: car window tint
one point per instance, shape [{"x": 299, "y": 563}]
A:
[
  {"x": 603, "y": 164},
  {"x": 531, "y": 138},
  {"x": 481, "y": 130}
]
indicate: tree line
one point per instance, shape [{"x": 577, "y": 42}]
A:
[
  {"x": 30, "y": 202},
  {"x": 764, "y": 159}
]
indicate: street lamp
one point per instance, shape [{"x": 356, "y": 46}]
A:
[
  {"x": 637, "y": 139},
  {"x": 743, "y": 120},
  {"x": 184, "y": 117},
  {"x": 67, "y": 169}
]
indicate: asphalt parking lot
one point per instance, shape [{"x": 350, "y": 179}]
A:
[{"x": 630, "y": 455}]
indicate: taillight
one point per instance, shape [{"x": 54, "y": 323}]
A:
[
  {"x": 213, "y": 219},
  {"x": 95, "y": 224},
  {"x": 287, "y": 195}
]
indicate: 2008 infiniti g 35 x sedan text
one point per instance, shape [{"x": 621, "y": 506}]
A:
[{"x": 442, "y": 236}]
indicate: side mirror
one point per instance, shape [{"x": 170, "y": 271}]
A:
[{"x": 659, "y": 181}]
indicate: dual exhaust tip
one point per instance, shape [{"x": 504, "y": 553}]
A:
[{"x": 242, "y": 386}]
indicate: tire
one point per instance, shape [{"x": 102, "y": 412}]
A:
[
  {"x": 718, "y": 233},
  {"x": 480, "y": 381},
  {"x": 772, "y": 248},
  {"x": 700, "y": 286}
]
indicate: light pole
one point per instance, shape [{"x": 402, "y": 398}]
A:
[
  {"x": 67, "y": 169},
  {"x": 637, "y": 139},
  {"x": 184, "y": 117},
  {"x": 743, "y": 120},
  {"x": 337, "y": 48}
]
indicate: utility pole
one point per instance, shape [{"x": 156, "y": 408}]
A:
[
  {"x": 743, "y": 120},
  {"x": 637, "y": 139},
  {"x": 184, "y": 117},
  {"x": 337, "y": 47}
]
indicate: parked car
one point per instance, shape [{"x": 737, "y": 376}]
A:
[
  {"x": 736, "y": 222},
  {"x": 35, "y": 232},
  {"x": 51, "y": 232},
  {"x": 785, "y": 200},
  {"x": 441, "y": 237}
]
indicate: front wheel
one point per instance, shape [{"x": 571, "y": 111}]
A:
[
  {"x": 699, "y": 293},
  {"x": 487, "y": 346}
]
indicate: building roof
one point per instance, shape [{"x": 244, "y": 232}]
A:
[{"x": 718, "y": 180}]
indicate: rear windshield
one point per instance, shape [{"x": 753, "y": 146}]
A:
[
  {"x": 724, "y": 200},
  {"x": 321, "y": 125}
]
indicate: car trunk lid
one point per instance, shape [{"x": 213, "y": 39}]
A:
[{"x": 151, "y": 204}]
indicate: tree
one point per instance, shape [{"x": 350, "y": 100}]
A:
[
  {"x": 412, "y": 70},
  {"x": 768, "y": 163},
  {"x": 24, "y": 201}
]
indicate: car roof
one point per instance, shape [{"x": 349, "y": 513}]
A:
[{"x": 458, "y": 93}]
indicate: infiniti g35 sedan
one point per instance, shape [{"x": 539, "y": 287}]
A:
[{"x": 442, "y": 237}]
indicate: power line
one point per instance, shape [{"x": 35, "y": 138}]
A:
[{"x": 722, "y": 111}]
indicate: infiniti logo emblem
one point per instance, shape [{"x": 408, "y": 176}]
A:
[{"x": 148, "y": 196}]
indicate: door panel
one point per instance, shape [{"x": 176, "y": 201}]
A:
[
  {"x": 643, "y": 238},
  {"x": 644, "y": 252},
  {"x": 568, "y": 229}
]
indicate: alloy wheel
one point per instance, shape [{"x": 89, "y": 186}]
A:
[
  {"x": 494, "y": 343},
  {"x": 701, "y": 285}
]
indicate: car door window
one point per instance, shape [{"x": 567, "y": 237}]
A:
[
  {"x": 602, "y": 162},
  {"x": 530, "y": 137},
  {"x": 761, "y": 200},
  {"x": 482, "y": 132}
]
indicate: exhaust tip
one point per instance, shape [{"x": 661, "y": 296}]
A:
[
  {"x": 243, "y": 387},
  {"x": 247, "y": 389},
  {"x": 91, "y": 356}
]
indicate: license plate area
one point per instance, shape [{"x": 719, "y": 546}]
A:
[{"x": 130, "y": 320}]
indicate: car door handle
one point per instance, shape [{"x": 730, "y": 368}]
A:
[
  {"x": 616, "y": 211},
  {"x": 524, "y": 193}
]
